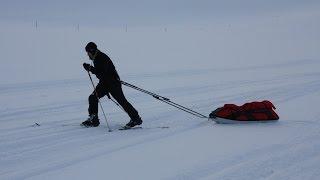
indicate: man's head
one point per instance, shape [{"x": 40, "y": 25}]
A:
[{"x": 91, "y": 49}]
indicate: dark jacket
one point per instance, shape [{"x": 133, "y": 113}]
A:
[{"x": 104, "y": 69}]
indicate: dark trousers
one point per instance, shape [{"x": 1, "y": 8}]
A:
[{"x": 116, "y": 91}]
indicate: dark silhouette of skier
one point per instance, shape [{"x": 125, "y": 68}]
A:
[{"x": 109, "y": 82}]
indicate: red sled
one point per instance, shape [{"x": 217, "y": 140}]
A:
[{"x": 247, "y": 113}]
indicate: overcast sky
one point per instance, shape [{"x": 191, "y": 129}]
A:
[{"x": 140, "y": 12}]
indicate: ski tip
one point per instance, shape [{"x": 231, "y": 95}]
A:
[
  {"x": 35, "y": 125},
  {"x": 164, "y": 127}
]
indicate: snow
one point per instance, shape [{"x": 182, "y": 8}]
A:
[{"x": 271, "y": 52}]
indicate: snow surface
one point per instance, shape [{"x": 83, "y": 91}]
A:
[{"x": 202, "y": 64}]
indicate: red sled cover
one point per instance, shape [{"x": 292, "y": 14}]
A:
[{"x": 253, "y": 111}]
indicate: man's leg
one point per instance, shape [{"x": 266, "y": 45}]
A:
[
  {"x": 93, "y": 120},
  {"x": 117, "y": 93},
  {"x": 93, "y": 100}
]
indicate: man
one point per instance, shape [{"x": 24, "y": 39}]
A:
[{"x": 109, "y": 82}]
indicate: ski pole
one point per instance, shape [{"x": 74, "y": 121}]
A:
[
  {"x": 118, "y": 105},
  {"x": 166, "y": 100},
  {"x": 95, "y": 92}
]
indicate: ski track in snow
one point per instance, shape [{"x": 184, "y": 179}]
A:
[
  {"x": 265, "y": 163},
  {"x": 27, "y": 152}
]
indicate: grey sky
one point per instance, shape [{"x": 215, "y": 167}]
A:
[{"x": 139, "y": 12}]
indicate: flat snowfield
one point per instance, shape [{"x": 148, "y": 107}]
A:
[
  {"x": 273, "y": 56},
  {"x": 191, "y": 148}
]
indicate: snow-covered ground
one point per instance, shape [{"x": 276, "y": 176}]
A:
[{"x": 274, "y": 55}]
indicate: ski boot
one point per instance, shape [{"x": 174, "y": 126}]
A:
[
  {"x": 92, "y": 121},
  {"x": 133, "y": 122}
]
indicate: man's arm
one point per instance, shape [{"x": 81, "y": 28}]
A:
[{"x": 99, "y": 68}]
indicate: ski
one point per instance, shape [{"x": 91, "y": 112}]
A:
[
  {"x": 123, "y": 128},
  {"x": 139, "y": 127},
  {"x": 129, "y": 128}
]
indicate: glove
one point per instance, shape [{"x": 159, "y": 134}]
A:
[{"x": 86, "y": 66}]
